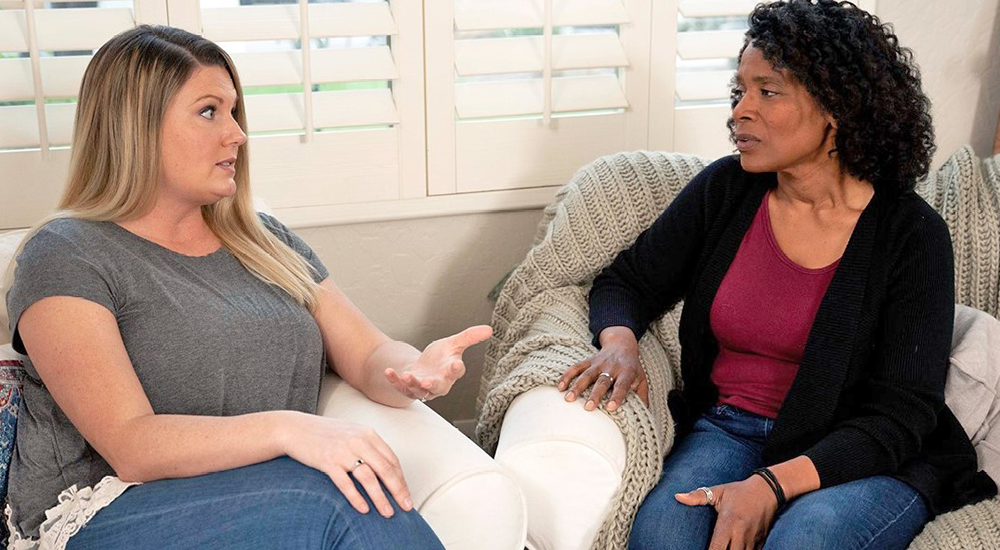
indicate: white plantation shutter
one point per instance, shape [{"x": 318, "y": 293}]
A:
[
  {"x": 397, "y": 108},
  {"x": 341, "y": 122},
  {"x": 526, "y": 91},
  {"x": 44, "y": 49}
]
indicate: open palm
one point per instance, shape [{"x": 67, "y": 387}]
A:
[{"x": 438, "y": 367}]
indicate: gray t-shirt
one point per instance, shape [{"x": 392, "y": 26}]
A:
[{"x": 205, "y": 336}]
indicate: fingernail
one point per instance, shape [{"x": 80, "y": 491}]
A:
[
  {"x": 570, "y": 396},
  {"x": 611, "y": 406},
  {"x": 407, "y": 504},
  {"x": 589, "y": 406},
  {"x": 561, "y": 386}
]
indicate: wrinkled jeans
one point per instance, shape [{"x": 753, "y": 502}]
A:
[
  {"x": 725, "y": 445},
  {"x": 279, "y": 504}
]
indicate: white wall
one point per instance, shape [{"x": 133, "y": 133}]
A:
[
  {"x": 423, "y": 279},
  {"x": 957, "y": 46}
]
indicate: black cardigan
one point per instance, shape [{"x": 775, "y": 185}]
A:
[{"x": 868, "y": 398}]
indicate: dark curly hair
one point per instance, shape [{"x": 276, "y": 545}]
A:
[{"x": 853, "y": 66}]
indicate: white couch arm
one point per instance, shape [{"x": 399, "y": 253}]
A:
[
  {"x": 568, "y": 462},
  {"x": 469, "y": 501}
]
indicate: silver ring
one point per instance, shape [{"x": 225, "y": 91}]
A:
[
  {"x": 608, "y": 374},
  {"x": 357, "y": 463},
  {"x": 709, "y": 495}
]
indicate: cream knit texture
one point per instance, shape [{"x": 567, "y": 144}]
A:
[
  {"x": 541, "y": 325},
  {"x": 540, "y": 319}
]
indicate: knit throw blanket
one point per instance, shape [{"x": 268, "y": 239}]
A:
[{"x": 540, "y": 319}]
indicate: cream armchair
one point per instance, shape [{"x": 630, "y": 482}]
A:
[
  {"x": 584, "y": 473},
  {"x": 469, "y": 501}
]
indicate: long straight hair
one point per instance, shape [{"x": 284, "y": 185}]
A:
[{"x": 115, "y": 162}]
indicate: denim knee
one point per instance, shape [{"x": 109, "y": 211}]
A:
[
  {"x": 312, "y": 494},
  {"x": 662, "y": 523}
]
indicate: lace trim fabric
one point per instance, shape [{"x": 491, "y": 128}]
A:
[{"x": 76, "y": 507}]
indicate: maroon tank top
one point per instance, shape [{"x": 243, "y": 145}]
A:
[{"x": 761, "y": 317}]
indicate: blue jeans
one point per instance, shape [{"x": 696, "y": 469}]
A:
[
  {"x": 276, "y": 504},
  {"x": 725, "y": 445}
]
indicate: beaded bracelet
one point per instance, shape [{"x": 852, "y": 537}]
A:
[{"x": 772, "y": 482}]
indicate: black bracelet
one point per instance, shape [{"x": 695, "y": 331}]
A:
[{"x": 772, "y": 482}]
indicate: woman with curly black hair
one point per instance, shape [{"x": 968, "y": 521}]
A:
[{"x": 818, "y": 307}]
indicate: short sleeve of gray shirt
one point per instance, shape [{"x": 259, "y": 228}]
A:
[{"x": 204, "y": 335}]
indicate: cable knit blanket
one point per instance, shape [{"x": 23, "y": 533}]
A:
[{"x": 540, "y": 319}]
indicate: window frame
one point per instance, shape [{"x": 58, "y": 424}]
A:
[{"x": 423, "y": 181}]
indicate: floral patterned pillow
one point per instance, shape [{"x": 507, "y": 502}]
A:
[{"x": 11, "y": 381}]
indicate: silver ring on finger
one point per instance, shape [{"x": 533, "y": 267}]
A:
[
  {"x": 357, "y": 463},
  {"x": 611, "y": 379},
  {"x": 708, "y": 494}
]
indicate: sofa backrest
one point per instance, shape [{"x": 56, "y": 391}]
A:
[{"x": 9, "y": 242}]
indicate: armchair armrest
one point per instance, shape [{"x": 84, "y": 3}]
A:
[
  {"x": 469, "y": 501},
  {"x": 568, "y": 462}
]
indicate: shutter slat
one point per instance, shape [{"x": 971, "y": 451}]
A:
[
  {"x": 65, "y": 29},
  {"x": 351, "y": 20},
  {"x": 524, "y": 97},
  {"x": 61, "y": 77},
  {"x": 354, "y": 108},
  {"x": 702, "y": 130},
  {"x": 13, "y": 32},
  {"x": 328, "y": 65},
  {"x": 703, "y": 86},
  {"x": 60, "y": 121},
  {"x": 80, "y": 28},
  {"x": 16, "y": 77},
  {"x": 481, "y": 15},
  {"x": 282, "y": 22},
  {"x": 524, "y": 54},
  {"x": 709, "y": 44},
  {"x": 19, "y": 125},
  {"x": 284, "y": 112},
  {"x": 716, "y": 8}
]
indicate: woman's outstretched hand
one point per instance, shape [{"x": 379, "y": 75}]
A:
[
  {"x": 438, "y": 367},
  {"x": 614, "y": 368}
]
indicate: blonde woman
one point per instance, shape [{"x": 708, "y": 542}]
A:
[{"x": 177, "y": 340}]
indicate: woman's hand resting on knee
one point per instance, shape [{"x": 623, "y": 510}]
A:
[
  {"x": 745, "y": 509},
  {"x": 340, "y": 448},
  {"x": 614, "y": 368}
]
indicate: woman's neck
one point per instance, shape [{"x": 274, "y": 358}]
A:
[
  {"x": 822, "y": 187},
  {"x": 182, "y": 230}
]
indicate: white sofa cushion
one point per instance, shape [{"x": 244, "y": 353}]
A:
[
  {"x": 8, "y": 245},
  {"x": 469, "y": 501},
  {"x": 549, "y": 446}
]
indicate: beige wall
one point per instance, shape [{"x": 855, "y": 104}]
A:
[
  {"x": 423, "y": 279},
  {"x": 419, "y": 280},
  {"x": 957, "y": 45}
]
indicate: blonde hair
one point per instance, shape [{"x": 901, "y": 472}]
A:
[{"x": 115, "y": 159}]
